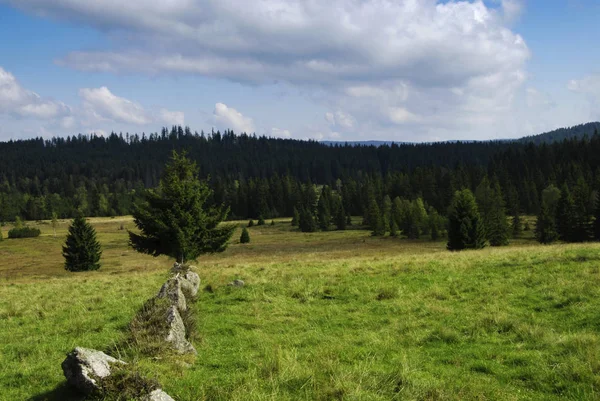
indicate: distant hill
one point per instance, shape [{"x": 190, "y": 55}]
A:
[{"x": 558, "y": 135}]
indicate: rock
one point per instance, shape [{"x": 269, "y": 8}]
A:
[
  {"x": 171, "y": 290},
  {"x": 83, "y": 367},
  {"x": 157, "y": 395},
  {"x": 191, "y": 283},
  {"x": 176, "y": 332},
  {"x": 236, "y": 283}
]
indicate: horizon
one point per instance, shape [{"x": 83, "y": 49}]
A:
[{"x": 430, "y": 71}]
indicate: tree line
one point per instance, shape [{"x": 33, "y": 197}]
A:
[{"x": 407, "y": 186}]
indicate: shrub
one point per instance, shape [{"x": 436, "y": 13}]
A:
[
  {"x": 24, "y": 232},
  {"x": 245, "y": 237}
]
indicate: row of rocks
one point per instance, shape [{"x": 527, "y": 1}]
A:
[{"x": 85, "y": 368}]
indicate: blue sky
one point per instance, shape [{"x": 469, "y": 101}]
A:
[{"x": 405, "y": 70}]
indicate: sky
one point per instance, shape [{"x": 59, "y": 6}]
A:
[{"x": 341, "y": 70}]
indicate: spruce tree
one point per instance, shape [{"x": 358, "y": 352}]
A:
[
  {"x": 250, "y": 223},
  {"x": 175, "y": 219},
  {"x": 245, "y": 237},
  {"x": 516, "y": 225},
  {"x": 81, "y": 250},
  {"x": 323, "y": 212},
  {"x": 582, "y": 228},
  {"x": 565, "y": 219},
  {"x": 295, "y": 217},
  {"x": 465, "y": 229},
  {"x": 545, "y": 226},
  {"x": 376, "y": 219},
  {"x": 54, "y": 223},
  {"x": 597, "y": 218},
  {"x": 393, "y": 228},
  {"x": 340, "y": 217},
  {"x": 307, "y": 222},
  {"x": 261, "y": 221},
  {"x": 497, "y": 225}
]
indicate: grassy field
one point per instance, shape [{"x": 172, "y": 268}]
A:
[{"x": 323, "y": 316}]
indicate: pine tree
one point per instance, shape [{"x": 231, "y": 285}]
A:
[
  {"x": 465, "y": 229},
  {"x": 565, "y": 220},
  {"x": 54, "y": 223},
  {"x": 582, "y": 228},
  {"x": 307, "y": 222},
  {"x": 497, "y": 229},
  {"x": 597, "y": 218},
  {"x": 175, "y": 220},
  {"x": 376, "y": 218},
  {"x": 323, "y": 212},
  {"x": 295, "y": 217},
  {"x": 81, "y": 250},
  {"x": 545, "y": 226},
  {"x": 250, "y": 223},
  {"x": 340, "y": 217},
  {"x": 394, "y": 228},
  {"x": 261, "y": 221},
  {"x": 516, "y": 225},
  {"x": 245, "y": 237}
]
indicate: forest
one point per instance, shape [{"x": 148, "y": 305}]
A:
[{"x": 261, "y": 177}]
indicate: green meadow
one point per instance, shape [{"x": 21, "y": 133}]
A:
[{"x": 334, "y": 315}]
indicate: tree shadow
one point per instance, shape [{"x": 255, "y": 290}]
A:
[{"x": 62, "y": 392}]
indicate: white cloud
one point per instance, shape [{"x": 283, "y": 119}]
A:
[
  {"x": 103, "y": 104},
  {"x": 589, "y": 87},
  {"x": 431, "y": 66},
  {"x": 225, "y": 117},
  {"x": 399, "y": 115},
  {"x": 100, "y": 104},
  {"x": 512, "y": 9},
  {"x": 280, "y": 133},
  {"x": 18, "y": 101},
  {"x": 340, "y": 119},
  {"x": 171, "y": 117}
]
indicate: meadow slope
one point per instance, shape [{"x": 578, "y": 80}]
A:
[{"x": 323, "y": 316}]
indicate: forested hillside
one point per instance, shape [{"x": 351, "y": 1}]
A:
[
  {"x": 558, "y": 135},
  {"x": 268, "y": 177}
]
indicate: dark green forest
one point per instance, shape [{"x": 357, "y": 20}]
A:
[{"x": 267, "y": 177}]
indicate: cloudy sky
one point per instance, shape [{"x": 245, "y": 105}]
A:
[{"x": 404, "y": 70}]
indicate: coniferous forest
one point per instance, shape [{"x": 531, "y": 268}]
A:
[{"x": 406, "y": 188}]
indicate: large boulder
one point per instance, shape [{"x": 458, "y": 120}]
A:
[
  {"x": 191, "y": 283},
  {"x": 83, "y": 368},
  {"x": 176, "y": 332},
  {"x": 171, "y": 290},
  {"x": 157, "y": 395}
]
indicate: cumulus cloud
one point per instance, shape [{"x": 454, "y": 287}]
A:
[
  {"x": 589, "y": 87},
  {"x": 279, "y": 133},
  {"x": 102, "y": 104},
  {"x": 16, "y": 100},
  {"x": 424, "y": 64},
  {"x": 225, "y": 117},
  {"x": 340, "y": 119}
]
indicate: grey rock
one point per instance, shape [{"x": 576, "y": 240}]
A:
[
  {"x": 157, "y": 395},
  {"x": 83, "y": 368},
  {"x": 190, "y": 283},
  {"x": 236, "y": 283},
  {"x": 171, "y": 290},
  {"x": 176, "y": 332}
]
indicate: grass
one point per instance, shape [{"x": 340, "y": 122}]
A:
[{"x": 323, "y": 316}]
